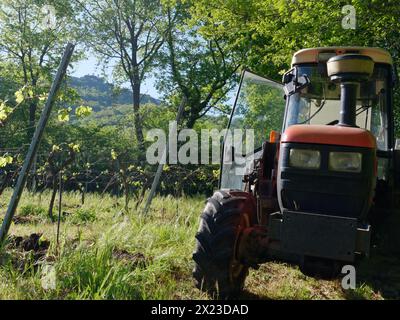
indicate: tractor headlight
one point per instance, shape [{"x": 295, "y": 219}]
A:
[
  {"x": 345, "y": 161},
  {"x": 305, "y": 158}
]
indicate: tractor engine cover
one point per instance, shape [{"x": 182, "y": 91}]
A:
[{"x": 328, "y": 170}]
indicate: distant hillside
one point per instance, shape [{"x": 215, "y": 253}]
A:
[
  {"x": 99, "y": 94},
  {"x": 111, "y": 116}
]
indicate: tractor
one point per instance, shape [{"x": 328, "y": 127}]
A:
[{"x": 323, "y": 171}]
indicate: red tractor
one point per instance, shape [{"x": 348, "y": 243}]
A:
[{"x": 310, "y": 192}]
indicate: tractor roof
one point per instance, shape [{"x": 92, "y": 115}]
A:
[{"x": 314, "y": 55}]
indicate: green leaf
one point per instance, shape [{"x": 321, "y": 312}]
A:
[
  {"x": 74, "y": 147},
  {"x": 63, "y": 114},
  {"x": 42, "y": 97},
  {"x": 114, "y": 155},
  {"x": 83, "y": 111},
  {"x": 5, "y": 160},
  {"x": 19, "y": 96},
  {"x": 4, "y": 111}
]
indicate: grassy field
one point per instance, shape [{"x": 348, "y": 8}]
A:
[{"x": 105, "y": 253}]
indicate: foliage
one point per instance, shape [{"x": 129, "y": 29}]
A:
[
  {"x": 31, "y": 50},
  {"x": 203, "y": 70},
  {"x": 271, "y": 31},
  {"x": 4, "y": 111},
  {"x": 63, "y": 114},
  {"x": 5, "y": 160},
  {"x": 83, "y": 216},
  {"x": 32, "y": 210},
  {"x": 83, "y": 111}
]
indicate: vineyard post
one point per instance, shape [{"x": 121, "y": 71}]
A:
[
  {"x": 12, "y": 207},
  {"x": 59, "y": 206},
  {"x": 33, "y": 172},
  {"x": 161, "y": 165},
  {"x": 86, "y": 182}
]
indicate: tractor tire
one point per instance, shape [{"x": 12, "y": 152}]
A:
[{"x": 225, "y": 216}]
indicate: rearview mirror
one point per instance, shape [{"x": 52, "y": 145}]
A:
[{"x": 293, "y": 82}]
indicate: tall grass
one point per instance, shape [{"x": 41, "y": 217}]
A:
[
  {"x": 85, "y": 265},
  {"x": 100, "y": 245}
]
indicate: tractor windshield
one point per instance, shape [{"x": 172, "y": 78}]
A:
[{"x": 319, "y": 103}]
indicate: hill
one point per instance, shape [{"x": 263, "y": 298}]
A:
[{"x": 99, "y": 94}]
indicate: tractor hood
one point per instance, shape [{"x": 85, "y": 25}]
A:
[{"x": 330, "y": 135}]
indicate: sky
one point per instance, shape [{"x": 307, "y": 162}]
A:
[{"x": 89, "y": 67}]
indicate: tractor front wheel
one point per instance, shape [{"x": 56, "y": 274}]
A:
[{"x": 217, "y": 269}]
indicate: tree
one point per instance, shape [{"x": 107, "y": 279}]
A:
[
  {"x": 272, "y": 30},
  {"x": 129, "y": 34},
  {"x": 31, "y": 45},
  {"x": 202, "y": 69}
]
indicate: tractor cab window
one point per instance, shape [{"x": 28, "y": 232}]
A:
[
  {"x": 258, "y": 109},
  {"x": 319, "y": 103}
]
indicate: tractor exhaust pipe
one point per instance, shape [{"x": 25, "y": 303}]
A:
[
  {"x": 348, "y": 103},
  {"x": 349, "y": 70}
]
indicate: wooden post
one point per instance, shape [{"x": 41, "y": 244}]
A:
[
  {"x": 37, "y": 137},
  {"x": 161, "y": 165}
]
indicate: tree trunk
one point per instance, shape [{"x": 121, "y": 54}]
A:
[
  {"x": 190, "y": 122},
  {"x": 82, "y": 195},
  {"x": 137, "y": 120},
  {"x": 126, "y": 191},
  {"x": 32, "y": 120},
  {"x": 192, "y": 116},
  {"x": 125, "y": 184},
  {"x": 31, "y": 183}
]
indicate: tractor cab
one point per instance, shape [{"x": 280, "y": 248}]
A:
[
  {"x": 317, "y": 163},
  {"x": 319, "y": 101},
  {"x": 308, "y": 96}
]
